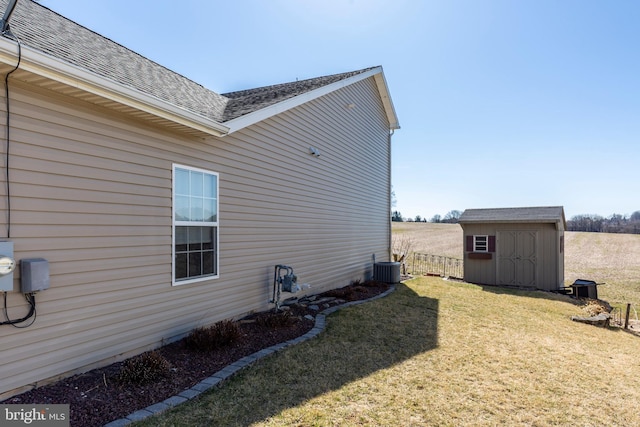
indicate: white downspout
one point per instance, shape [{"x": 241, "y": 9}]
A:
[{"x": 391, "y": 131}]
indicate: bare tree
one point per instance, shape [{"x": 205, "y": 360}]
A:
[
  {"x": 616, "y": 223},
  {"x": 401, "y": 246},
  {"x": 452, "y": 217}
]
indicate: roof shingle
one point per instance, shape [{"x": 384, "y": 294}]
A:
[
  {"x": 45, "y": 30},
  {"x": 545, "y": 214},
  {"x": 246, "y": 101}
]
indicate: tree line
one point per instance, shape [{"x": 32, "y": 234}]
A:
[
  {"x": 615, "y": 223},
  {"x": 450, "y": 217}
]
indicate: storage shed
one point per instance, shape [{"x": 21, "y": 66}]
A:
[{"x": 514, "y": 246}]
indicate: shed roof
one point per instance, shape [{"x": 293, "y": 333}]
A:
[
  {"x": 44, "y": 31},
  {"x": 544, "y": 214}
]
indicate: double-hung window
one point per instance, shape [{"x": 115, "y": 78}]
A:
[{"x": 195, "y": 224}]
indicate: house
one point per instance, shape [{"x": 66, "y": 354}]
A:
[
  {"x": 157, "y": 205},
  {"x": 521, "y": 247}
]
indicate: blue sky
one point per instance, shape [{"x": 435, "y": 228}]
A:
[{"x": 502, "y": 103}]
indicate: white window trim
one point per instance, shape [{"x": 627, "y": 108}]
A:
[
  {"x": 486, "y": 243},
  {"x": 175, "y": 223}
]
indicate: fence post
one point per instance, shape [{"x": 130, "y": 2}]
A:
[
  {"x": 626, "y": 317},
  {"x": 413, "y": 265},
  {"x": 436, "y": 264}
]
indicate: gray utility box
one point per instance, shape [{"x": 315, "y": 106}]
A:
[
  {"x": 34, "y": 275},
  {"x": 388, "y": 272}
]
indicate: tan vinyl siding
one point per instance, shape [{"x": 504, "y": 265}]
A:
[{"x": 91, "y": 193}]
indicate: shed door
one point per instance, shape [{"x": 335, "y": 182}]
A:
[{"x": 517, "y": 261}]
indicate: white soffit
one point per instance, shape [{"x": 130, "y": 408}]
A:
[{"x": 40, "y": 64}]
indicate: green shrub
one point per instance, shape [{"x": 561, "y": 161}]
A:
[{"x": 144, "y": 368}]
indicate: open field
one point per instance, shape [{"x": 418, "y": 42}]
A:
[
  {"x": 430, "y": 238},
  {"x": 613, "y": 259},
  {"x": 610, "y": 258},
  {"x": 437, "y": 353}
]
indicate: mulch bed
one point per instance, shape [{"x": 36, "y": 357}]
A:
[{"x": 98, "y": 396}]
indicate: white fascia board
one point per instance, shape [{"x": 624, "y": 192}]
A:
[
  {"x": 57, "y": 70},
  {"x": 267, "y": 112},
  {"x": 386, "y": 100}
]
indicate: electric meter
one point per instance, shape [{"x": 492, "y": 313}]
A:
[{"x": 7, "y": 265}]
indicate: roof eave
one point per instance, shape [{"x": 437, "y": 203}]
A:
[
  {"x": 515, "y": 221},
  {"x": 381, "y": 82},
  {"x": 280, "y": 107},
  {"x": 53, "y": 69}
]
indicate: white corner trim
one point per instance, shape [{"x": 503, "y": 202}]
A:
[
  {"x": 265, "y": 113},
  {"x": 57, "y": 70}
]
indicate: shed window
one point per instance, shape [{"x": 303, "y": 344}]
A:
[
  {"x": 195, "y": 225},
  {"x": 481, "y": 243}
]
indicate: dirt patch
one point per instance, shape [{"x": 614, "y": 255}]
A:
[{"x": 98, "y": 397}]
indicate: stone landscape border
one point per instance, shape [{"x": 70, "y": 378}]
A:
[{"x": 224, "y": 374}]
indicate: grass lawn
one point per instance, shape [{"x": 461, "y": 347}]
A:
[
  {"x": 608, "y": 258},
  {"x": 440, "y": 353}
]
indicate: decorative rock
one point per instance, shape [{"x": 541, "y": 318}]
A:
[
  {"x": 601, "y": 319},
  {"x": 119, "y": 423},
  {"x": 157, "y": 408},
  {"x": 174, "y": 400},
  {"x": 314, "y": 307},
  {"x": 325, "y": 300},
  {"x": 139, "y": 415}
]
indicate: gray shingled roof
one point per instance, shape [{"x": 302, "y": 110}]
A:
[
  {"x": 246, "y": 101},
  {"x": 42, "y": 29},
  {"x": 546, "y": 214},
  {"x": 45, "y": 30}
]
